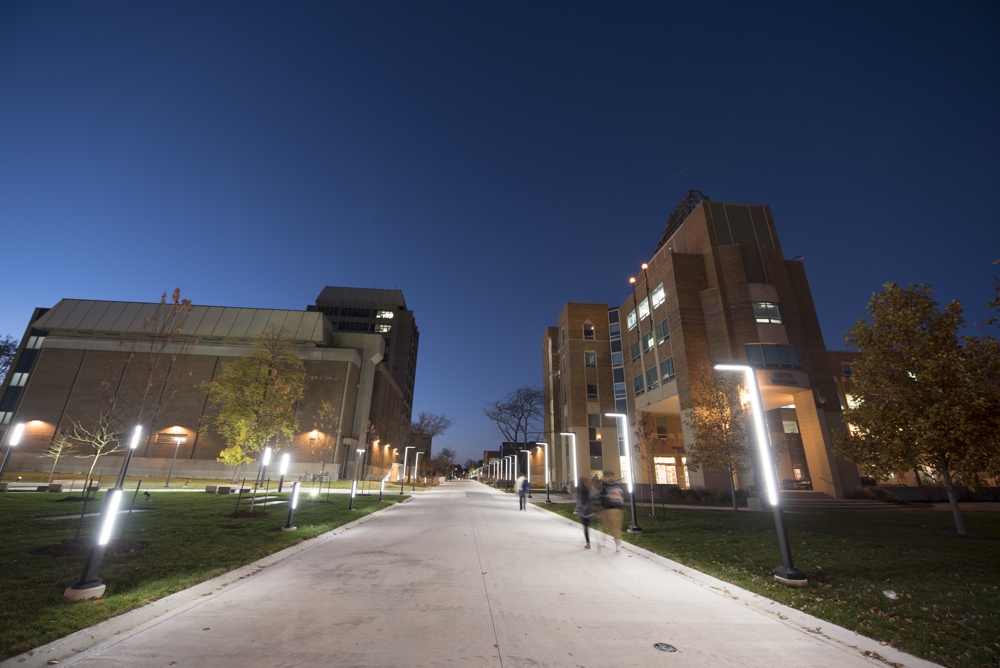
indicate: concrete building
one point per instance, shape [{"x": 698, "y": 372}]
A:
[
  {"x": 73, "y": 352},
  {"x": 716, "y": 289},
  {"x": 380, "y": 312}
]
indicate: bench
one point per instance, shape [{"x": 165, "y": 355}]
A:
[{"x": 42, "y": 488}]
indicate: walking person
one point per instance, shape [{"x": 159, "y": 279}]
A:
[
  {"x": 520, "y": 487},
  {"x": 585, "y": 507},
  {"x": 612, "y": 501}
]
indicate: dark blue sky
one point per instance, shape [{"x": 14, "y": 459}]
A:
[{"x": 493, "y": 160}]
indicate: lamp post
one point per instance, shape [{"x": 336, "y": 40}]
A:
[
  {"x": 416, "y": 468},
  {"x": 402, "y": 475},
  {"x": 283, "y": 470},
  {"x": 292, "y": 504},
  {"x": 540, "y": 444},
  {"x": 354, "y": 483},
  {"x": 512, "y": 468},
  {"x": 527, "y": 468},
  {"x": 572, "y": 440},
  {"x": 623, "y": 432},
  {"x": 264, "y": 461},
  {"x": 15, "y": 438},
  {"x": 786, "y": 573},
  {"x": 178, "y": 440},
  {"x": 89, "y": 585}
]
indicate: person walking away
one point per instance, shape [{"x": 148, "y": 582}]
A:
[
  {"x": 612, "y": 501},
  {"x": 585, "y": 509},
  {"x": 521, "y": 491}
]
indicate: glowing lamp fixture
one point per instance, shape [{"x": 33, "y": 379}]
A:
[
  {"x": 110, "y": 513},
  {"x": 622, "y": 422},
  {"x": 284, "y": 463},
  {"x": 572, "y": 440}
]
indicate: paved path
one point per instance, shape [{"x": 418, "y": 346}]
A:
[{"x": 457, "y": 576}]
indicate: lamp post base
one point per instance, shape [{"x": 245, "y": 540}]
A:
[
  {"x": 792, "y": 577},
  {"x": 85, "y": 591},
  {"x": 289, "y": 528},
  {"x": 634, "y": 529}
]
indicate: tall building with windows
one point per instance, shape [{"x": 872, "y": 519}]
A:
[
  {"x": 381, "y": 312},
  {"x": 716, "y": 289}
]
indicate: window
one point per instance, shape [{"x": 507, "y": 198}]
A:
[
  {"x": 591, "y": 390},
  {"x": 790, "y": 426},
  {"x": 594, "y": 433},
  {"x": 631, "y": 321},
  {"x": 562, "y": 332},
  {"x": 774, "y": 355},
  {"x": 647, "y": 342},
  {"x": 851, "y": 401},
  {"x": 588, "y": 330},
  {"x": 617, "y": 359},
  {"x": 619, "y": 390},
  {"x": 662, "y": 331},
  {"x": 18, "y": 380},
  {"x": 846, "y": 368},
  {"x": 767, "y": 312},
  {"x": 643, "y": 309},
  {"x": 382, "y": 328},
  {"x": 590, "y": 358},
  {"x": 34, "y": 342},
  {"x": 652, "y": 382},
  {"x": 5, "y": 417},
  {"x": 637, "y": 385},
  {"x": 634, "y": 349},
  {"x": 661, "y": 427},
  {"x": 659, "y": 295},
  {"x": 666, "y": 470},
  {"x": 667, "y": 370},
  {"x": 616, "y": 330},
  {"x": 564, "y": 360},
  {"x": 385, "y": 314}
]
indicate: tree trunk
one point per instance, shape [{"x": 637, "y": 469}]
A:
[
  {"x": 949, "y": 487},
  {"x": 732, "y": 486}
]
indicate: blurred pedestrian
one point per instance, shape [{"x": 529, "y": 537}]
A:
[
  {"x": 586, "y": 503},
  {"x": 521, "y": 490},
  {"x": 612, "y": 499}
]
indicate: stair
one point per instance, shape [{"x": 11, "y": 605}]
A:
[{"x": 811, "y": 500}]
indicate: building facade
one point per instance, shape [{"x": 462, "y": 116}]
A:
[
  {"x": 73, "y": 352},
  {"x": 380, "y": 312},
  {"x": 717, "y": 289}
]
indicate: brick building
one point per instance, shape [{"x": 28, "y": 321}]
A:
[
  {"x": 716, "y": 289},
  {"x": 73, "y": 348}
]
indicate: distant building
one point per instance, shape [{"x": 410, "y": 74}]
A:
[
  {"x": 69, "y": 350},
  {"x": 380, "y": 312},
  {"x": 717, "y": 289}
]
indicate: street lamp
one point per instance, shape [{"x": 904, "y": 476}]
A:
[
  {"x": 15, "y": 438},
  {"x": 416, "y": 468},
  {"x": 265, "y": 460},
  {"x": 527, "y": 468},
  {"x": 178, "y": 440},
  {"x": 292, "y": 504},
  {"x": 402, "y": 474},
  {"x": 540, "y": 444},
  {"x": 512, "y": 468},
  {"x": 283, "y": 470},
  {"x": 623, "y": 432},
  {"x": 572, "y": 440},
  {"x": 786, "y": 573},
  {"x": 354, "y": 483}
]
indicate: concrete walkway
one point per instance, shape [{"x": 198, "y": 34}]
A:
[{"x": 457, "y": 576}]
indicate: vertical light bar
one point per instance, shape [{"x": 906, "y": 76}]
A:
[
  {"x": 135, "y": 437},
  {"x": 295, "y": 495},
  {"x": 576, "y": 472},
  {"x": 623, "y": 434},
  {"x": 109, "y": 519},
  {"x": 16, "y": 434},
  {"x": 267, "y": 457},
  {"x": 284, "y": 463},
  {"x": 760, "y": 427}
]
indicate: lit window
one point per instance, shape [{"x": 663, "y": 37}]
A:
[
  {"x": 590, "y": 358},
  {"x": 659, "y": 295},
  {"x": 588, "y": 330},
  {"x": 631, "y": 320},
  {"x": 666, "y": 470},
  {"x": 767, "y": 312},
  {"x": 851, "y": 401},
  {"x": 662, "y": 331},
  {"x": 18, "y": 380},
  {"x": 790, "y": 426},
  {"x": 661, "y": 427},
  {"x": 643, "y": 309},
  {"x": 652, "y": 382},
  {"x": 667, "y": 370},
  {"x": 647, "y": 342},
  {"x": 385, "y": 314},
  {"x": 382, "y": 328}
]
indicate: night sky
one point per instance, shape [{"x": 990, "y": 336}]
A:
[{"x": 492, "y": 160}]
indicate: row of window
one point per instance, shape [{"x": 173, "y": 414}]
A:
[
  {"x": 654, "y": 376},
  {"x": 774, "y": 355}
]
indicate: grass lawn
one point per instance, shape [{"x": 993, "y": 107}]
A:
[
  {"x": 947, "y": 608},
  {"x": 179, "y": 540}
]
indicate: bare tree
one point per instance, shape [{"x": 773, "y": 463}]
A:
[
  {"x": 517, "y": 413},
  {"x": 8, "y": 348},
  {"x": 57, "y": 448},
  {"x": 423, "y": 431},
  {"x": 647, "y": 445}
]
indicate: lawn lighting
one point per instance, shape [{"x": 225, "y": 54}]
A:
[
  {"x": 546, "y": 445},
  {"x": 15, "y": 438},
  {"x": 402, "y": 475},
  {"x": 283, "y": 470},
  {"x": 416, "y": 464},
  {"x": 786, "y": 573},
  {"x": 292, "y": 505},
  {"x": 572, "y": 440}
]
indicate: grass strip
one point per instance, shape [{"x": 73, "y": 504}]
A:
[
  {"x": 947, "y": 604},
  {"x": 180, "y": 539}
]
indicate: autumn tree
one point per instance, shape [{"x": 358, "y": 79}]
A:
[
  {"x": 719, "y": 423},
  {"x": 647, "y": 445},
  {"x": 255, "y": 397},
  {"x": 326, "y": 425},
  {"x": 134, "y": 392},
  {"x": 516, "y": 415},
  {"x": 926, "y": 397}
]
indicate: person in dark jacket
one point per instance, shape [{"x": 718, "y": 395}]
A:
[{"x": 586, "y": 503}]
